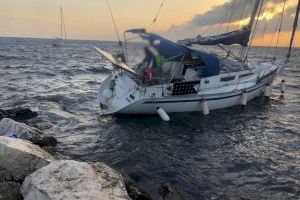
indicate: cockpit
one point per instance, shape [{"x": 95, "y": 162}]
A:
[{"x": 164, "y": 61}]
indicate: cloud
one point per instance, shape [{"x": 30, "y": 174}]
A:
[
  {"x": 222, "y": 13},
  {"x": 234, "y": 14}
]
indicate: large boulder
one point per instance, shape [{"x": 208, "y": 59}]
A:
[
  {"x": 23, "y": 131},
  {"x": 18, "y": 158},
  {"x": 18, "y": 113},
  {"x": 69, "y": 179}
]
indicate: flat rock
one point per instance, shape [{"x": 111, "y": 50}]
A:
[
  {"x": 25, "y": 132},
  {"x": 70, "y": 180},
  {"x": 19, "y": 158}
]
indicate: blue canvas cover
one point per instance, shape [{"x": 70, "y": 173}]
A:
[
  {"x": 173, "y": 51},
  {"x": 211, "y": 63},
  {"x": 165, "y": 47}
]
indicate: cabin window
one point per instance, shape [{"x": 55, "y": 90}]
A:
[
  {"x": 244, "y": 75},
  {"x": 229, "y": 78}
]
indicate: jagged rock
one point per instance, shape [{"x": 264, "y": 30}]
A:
[
  {"x": 69, "y": 179},
  {"x": 18, "y": 114},
  {"x": 134, "y": 192},
  {"x": 169, "y": 192},
  {"x": 22, "y": 131},
  {"x": 19, "y": 158}
]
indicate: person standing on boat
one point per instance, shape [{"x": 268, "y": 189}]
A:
[{"x": 153, "y": 64}]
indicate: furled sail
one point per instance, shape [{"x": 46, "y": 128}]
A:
[
  {"x": 235, "y": 37},
  {"x": 241, "y": 36}
]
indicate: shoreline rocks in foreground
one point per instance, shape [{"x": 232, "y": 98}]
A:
[
  {"x": 18, "y": 114},
  {"x": 68, "y": 179},
  {"x": 23, "y": 131},
  {"x": 19, "y": 158},
  {"x": 29, "y": 172}
]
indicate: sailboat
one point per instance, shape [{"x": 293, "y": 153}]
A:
[
  {"x": 175, "y": 78},
  {"x": 59, "y": 41}
]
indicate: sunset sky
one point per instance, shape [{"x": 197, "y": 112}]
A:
[{"x": 90, "y": 19}]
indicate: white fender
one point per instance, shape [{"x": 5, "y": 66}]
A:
[
  {"x": 244, "y": 99},
  {"x": 268, "y": 91},
  {"x": 283, "y": 86},
  {"x": 163, "y": 114},
  {"x": 205, "y": 109},
  {"x": 107, "y": 93}
]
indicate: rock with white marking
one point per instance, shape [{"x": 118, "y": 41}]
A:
[{"x": 23, "y": 131}]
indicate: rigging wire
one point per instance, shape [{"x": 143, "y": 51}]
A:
[
  {"x": 153, "y": 23},
  {"x": 295, "y": 25},
  {"x": 231, "y": 14},
  {"x": 273, "y": 35},
  {"x": 264, "y": 29},
  {"x": 254, "y": 32},
  {"x": 279, "y": 31},
  {"x": 114, "y": 23},
  {"x": 243, "y": 12},
  {"x": 214, "y": 28}
]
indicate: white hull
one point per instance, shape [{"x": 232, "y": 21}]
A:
[
  {"x": 130, "y": 99},
  {"x": 193, "y": 103}
]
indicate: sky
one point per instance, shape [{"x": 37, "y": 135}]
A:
[{"x": 178, "y": 19}]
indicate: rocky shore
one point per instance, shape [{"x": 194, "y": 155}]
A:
[{"x": 27, "y": 171}]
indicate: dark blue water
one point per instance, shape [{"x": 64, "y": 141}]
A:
[{"x": 231, "y": 154}]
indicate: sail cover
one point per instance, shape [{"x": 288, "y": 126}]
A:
[
  {"x": 241, "y": 36},
  {"x": 235, "y": 37},
  {"x": 173, "y": 51}
]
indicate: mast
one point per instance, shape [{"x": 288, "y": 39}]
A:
[
  {"x": 254, "y": 11},
  {"x": 61, "y": 24},
  {"x": 294, "y": 30}
]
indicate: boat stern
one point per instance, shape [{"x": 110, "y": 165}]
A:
[{"x": 117, "y": 92}]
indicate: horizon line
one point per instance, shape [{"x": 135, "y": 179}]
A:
[{"x": 104, "y": 40}]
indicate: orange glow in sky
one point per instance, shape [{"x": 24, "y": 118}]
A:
[{"x": 91, "y": 20}]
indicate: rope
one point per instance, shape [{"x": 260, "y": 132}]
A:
[{"x": 114, "y": 23}]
